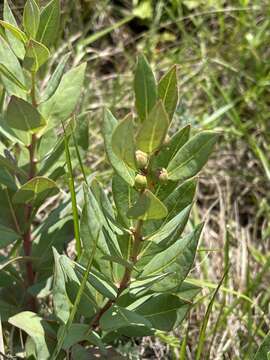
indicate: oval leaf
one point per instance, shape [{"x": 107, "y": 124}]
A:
[
  {"x": 10, "y": 76},
  {"x": 190, "y": 158},
  {"x": 61, "y": 105},
  {"x": 15, "y": 31},
  {"x": 153, "y": 130},
  {"x": 147, "y": 207},
  {"x": 23, "y": 116},
  {"x": 15, "y": 44},
  {"x": 145, "y": 87},
  {"x": 109, "y": 125},
  {"x": 117, "y": 317},
  {"x": 10, "y": 61},
  {"x": 33, "y": 325},
  {"x": 36, "y": 55},
  {"x": 31, "y": 17},
  {"x": 123, "y": 141},
  {"x": 35, "y": 191},
  {"x": 177, "y": 260},
  {"x": 168, "y": 91},
  {"x": 49, "y": 23},
  {"x": 55, "y": 79}
]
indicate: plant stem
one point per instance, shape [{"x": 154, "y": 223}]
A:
[
  {"x": 27, "y": 236},
  {"x": 137, "y": 238}
]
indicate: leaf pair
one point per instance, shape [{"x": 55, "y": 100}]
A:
[
  {"x": 147, "y": 92},
  {"x": 42, "y": 25}
]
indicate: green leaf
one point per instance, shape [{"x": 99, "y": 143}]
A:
[
  {"x": 147, "y": 207},
  {"x": 78, "y": 333},
  {"x": 109, "y": 125},
  {"x": 7, "y": 236},
  {"x": 168, "y": 91},
  {"x": 35, "y": 327},
  {"x": 145, "y": 88},
  {"x": 123, "y": 141},
  {"x": 118, "y": 317},
  {"x": 31, "y": 17},
  {"x": 140, "y": 285},
  {"x": 169, "y": 150},
  {"x": 10, "y": 61},
  {"x": 51, "y": 160},
  {"x": 160, "y": 309},
  {"x": 12, "y": 167},
  {"x": 49, "y": 23},
  {"x": 55, "y": 79},
  {"x": 60, "y": 299},
  {"x": 153, "y": 130},
  {"x": 10, "y": 76},
  {"x": 23, "y": 116},
  {"x": 174, "y": 226},
  {"x": 124, "y": 196},
  {"x": 36, "y": 55},
  {"x": 177, "y": 260},
  {"x": 98, "y": 281},
  {"x": 15, "y": 31},
  {"x": 15, "y": 44},
  {"x": 63, "y": 102},
  {"x": 190, "y": 158},
  {"x": 180, "y": 198},
  {"x": 6, "y": 309},
  {"x": 90, "y": 221},
  {"x": 35, "y": 191},
  {"x": 264, "y": 349}
]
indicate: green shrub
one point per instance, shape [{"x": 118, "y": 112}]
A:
[{"x": 131, "y": 258}]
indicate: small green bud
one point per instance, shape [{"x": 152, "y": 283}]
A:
[
  {"x": 141, "y": 159},
  {"x": 162, "y": 175},
  {"x": 140, "y": 182}
]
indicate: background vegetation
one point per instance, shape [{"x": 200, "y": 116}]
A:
[{"x": 222, "y": 52}]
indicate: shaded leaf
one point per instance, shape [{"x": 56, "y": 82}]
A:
[
  {"x": 15, "y": 44},
  {"x": 15, "y": 31},
  {"x": 36, "y": 55},
  {"x": 49, "y": 23},
  {"x": 123, "y": 141},
  {"x": 109, "y": 125},
  {"x": 6, "y": 309},
  {"x": 168, "y": 151},
  {"x": 7, "y": 236},
  {"x": 55, "y": 79},
  {"x": 34, "y": 326},
  {"x": 160, "y": 309},
  {"x": 81, "y": 332},
  {"x": 61, "y": 303},
  {"x": 99, "y": 282},
  {"x": 180, "y": 198},
  {"x": 63, "y": 102},
  {"x": 124, "y": 196},
  {"x": 9, "y": 75},
  {"x": 31, "y": 17},
  {"x": 168, "y": 91},
  {"x": 23, "y": 116},
  {"x": 145, "y": 88},
  {"x": 147, "y": 207},
  {"x": 35, "y": 191},
  {"x": 153, "y": 130},
  {"x": 190, "y": 158},
  {"x": 117, "y": 317},
  {"x": 10, "y": 61},
  {"x": 177, "y": 260},
  {"x": 171, "y": 228}
]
